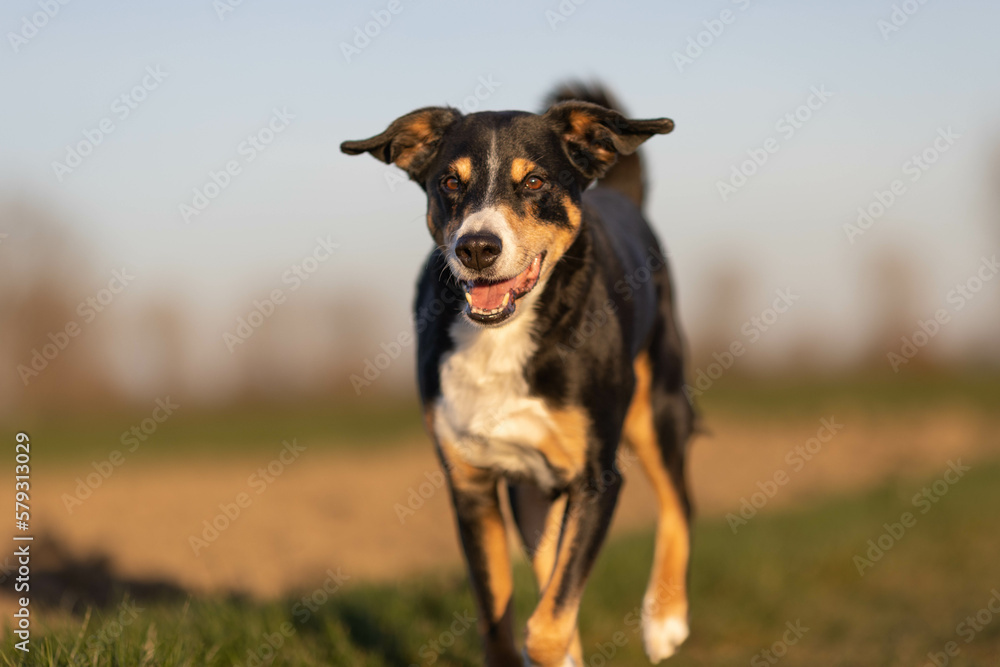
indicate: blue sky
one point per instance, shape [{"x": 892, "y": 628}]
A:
[{"x": 225, "y": 77}]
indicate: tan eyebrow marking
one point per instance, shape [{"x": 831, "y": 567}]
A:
[
  {"x": 520, "y": 168},
  {"x": 463, "y": 167}
]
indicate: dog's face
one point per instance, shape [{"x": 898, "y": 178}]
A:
[{"x": 503, "y": 188}]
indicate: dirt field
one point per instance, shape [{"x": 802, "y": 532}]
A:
[
  {"x": 379, "y": 516},
  {"x": 326, "y": 511}
]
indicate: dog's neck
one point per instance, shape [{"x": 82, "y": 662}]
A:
[{"x": 569, "y": 281}]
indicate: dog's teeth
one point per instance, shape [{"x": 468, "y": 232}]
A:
[
  {"x": 468, "y": 297},
  {"x": 506, "y": 299}
]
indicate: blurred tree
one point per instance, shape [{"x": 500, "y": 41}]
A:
[
  {"x": 892, "y": 286},
  {"x": 729, "y": 283},
  {"x": 44, "y": 276}
]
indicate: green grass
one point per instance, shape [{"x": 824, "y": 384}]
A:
[
  {"x": 787, "y": 567},
  {"x": 875, "y": 392},
  {"x": 351, "y": 423},
  {"x": 341, "y": 425}
]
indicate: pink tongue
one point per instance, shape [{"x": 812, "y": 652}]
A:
[{"x": 490, "y": 296}]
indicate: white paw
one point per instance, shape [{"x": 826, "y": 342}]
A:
[{"x": 661, "y": 637}]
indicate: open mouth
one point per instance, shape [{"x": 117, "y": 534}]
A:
[{"x": 493, "y": 301}]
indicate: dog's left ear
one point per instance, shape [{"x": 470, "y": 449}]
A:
[
  {"x": 593, "y": 136},
  {"x": 411, "y": 142}
]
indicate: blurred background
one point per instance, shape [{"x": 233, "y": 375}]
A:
[{"x": 195, "y": 284}]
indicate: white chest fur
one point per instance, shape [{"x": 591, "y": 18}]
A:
[{"x": 486, "y": 413}]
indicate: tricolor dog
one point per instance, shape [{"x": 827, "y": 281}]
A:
[{"x": 553, "y": 341}]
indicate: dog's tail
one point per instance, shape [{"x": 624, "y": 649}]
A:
[{"x": 626, "y": 175}]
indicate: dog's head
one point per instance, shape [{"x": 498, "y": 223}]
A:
[{"x": 503, "y": 188}]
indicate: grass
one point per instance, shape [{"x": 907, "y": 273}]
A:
[
  {"x": 234, "y": 430},
  {"x": 384, "y": 422},
  {"x": 779, "y": 568},
  {"x": 879, "y": 393}
]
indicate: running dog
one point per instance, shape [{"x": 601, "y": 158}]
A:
[{"x": 547, "y": 337}]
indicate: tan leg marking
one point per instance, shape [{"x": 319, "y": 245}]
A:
[
  {"x": 566, "y": 446},
  {"x": 540, "y": 522},
  {"x": 551, "y": 630},
  {"x": 666, "y": 595},
  {"x": 498, "y": 558},
  {"x": 545, "y": 551},
  {"x": 493, "y": 536}
]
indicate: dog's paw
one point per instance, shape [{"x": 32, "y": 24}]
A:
[
  {"x": 568, "y": 661},
  {"x": 662, "y": 637}
]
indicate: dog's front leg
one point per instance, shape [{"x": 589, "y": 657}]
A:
[
  {"x": 484, "y": 541},
  {"x": 590, "y": 503}
]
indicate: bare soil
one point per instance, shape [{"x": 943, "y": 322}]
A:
[{"x": 327, "y": 511}]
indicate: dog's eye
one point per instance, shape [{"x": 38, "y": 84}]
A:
[
  {"x": 451, "y": 184},
  {"x": 533, "y": 183}
]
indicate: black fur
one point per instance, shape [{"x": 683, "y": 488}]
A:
[{"x": 607, "y": 300}]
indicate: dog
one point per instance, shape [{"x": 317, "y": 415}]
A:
[{"x": 546, "y": 337}]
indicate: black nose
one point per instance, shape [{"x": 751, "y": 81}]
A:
[{"x": 478, "y": 251}]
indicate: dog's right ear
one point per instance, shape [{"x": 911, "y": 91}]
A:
[{"x": 411, "y": 142}]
